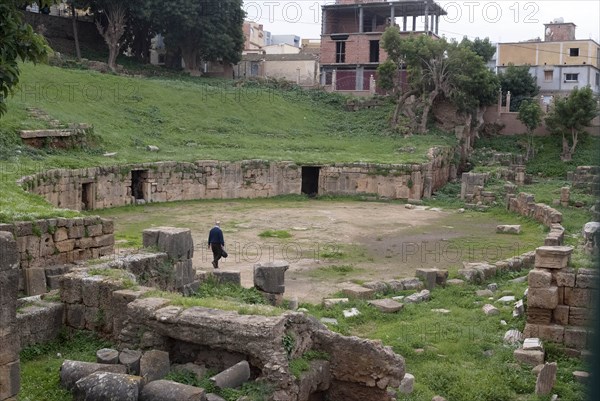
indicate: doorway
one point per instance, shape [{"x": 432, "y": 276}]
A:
[
  {"x": 87, "y": 196},
  {"x": 138, "y": 179},
  {"x": 310, "y": 180}
]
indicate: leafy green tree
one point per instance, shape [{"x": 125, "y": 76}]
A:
[
  {"x": 17, "y": 42},
  {"x": 201, "y": 29},
  {"x": 530, "y": 114},
  {"x": 520, "y": 84},
  {"x": 572, "y": 114},
  {"x": 435, "y": 69},
  {"x": 482, "y": 47},
  {"x": 74, "y": 5}
]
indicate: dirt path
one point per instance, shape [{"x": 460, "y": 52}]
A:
[{"x": 369, "y": 240}]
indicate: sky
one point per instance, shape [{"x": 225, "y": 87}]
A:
[{"x": 500, "y": 20}]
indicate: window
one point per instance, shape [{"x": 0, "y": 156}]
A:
[
  {"x": 574, "y": 52},
  {"x": 340, "y": 52},
  {"x": 598, "y": 79},
  {"x": 374, "y": 51},
  {"x": 571, "y": 77},
  {"x": 548, "y": 75}
]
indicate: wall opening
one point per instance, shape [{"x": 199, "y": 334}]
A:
[
  {"x": 310, "y": 180},
  {"x": 374, "y": 51},
  {"x": 138, "y": 179},
  {"x": 87, "y": 196}
]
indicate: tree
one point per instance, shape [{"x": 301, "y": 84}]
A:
[
  {"x": 110, "y": 21},
  {"x": 200, "y": 29},
  {"x": 572, "y": 114},
  {"x": 435, "y": 69},
  {"x": 74, "y": 5},
  {"x": 17, "y": 42},
  {"x": 530, "y": 114},
  {"x": 520, "y": 84},
  {"x": 482, "y": 47}
]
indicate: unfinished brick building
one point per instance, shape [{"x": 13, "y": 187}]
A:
[{"x": 351, "y": 33}]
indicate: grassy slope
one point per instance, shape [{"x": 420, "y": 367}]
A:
[{"x": 189, "y": 119}]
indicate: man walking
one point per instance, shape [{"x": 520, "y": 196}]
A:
[{"x": 216, "y": 243}]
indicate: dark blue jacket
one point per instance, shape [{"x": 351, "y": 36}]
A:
[{"x": 216, "y": 236}]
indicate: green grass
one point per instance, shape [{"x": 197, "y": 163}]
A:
[
  {"x": 334, "y": 272},
  {"x": 302, "y": 364},
  {"x": 281, "y": 234},
  {"x": 453, "y": 363},
  {"x": 40, "y": 365}
]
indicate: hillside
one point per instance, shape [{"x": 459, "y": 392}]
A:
[{"x": 188, "y": 119}]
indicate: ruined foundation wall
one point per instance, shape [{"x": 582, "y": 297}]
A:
[
  {"x": 39, "y": 321},
  {"x": 586, "y": 178},
  {"x": 524, "y": 204},
  {"x": 103, "y": 187},
  {"x": 9, "y": 337},
  {"x": 44, "y": 245}
]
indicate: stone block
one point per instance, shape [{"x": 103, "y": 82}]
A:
[
  {"x": 581, "y": 376},
  {"x": 561, "y": 315},
  {"x": 532, "y": 344},
  {"x": 508, "y": 229},
  {"x": 441, "y": 277},
  {"x": 490, "y": 310},
  {"x": 357, "y": 291},
  {"x": 107, "y": 356},
  {"x": 539, "y": 315},
  {"x": 386, "y": 305},
  {"x": 538, "y": 278},
  {"x": 94, "y": 230},
  {"x": 407, "y": 384},
  {"x": 104, "y": 241},
  {"x": 175, "y": 242},
  {"x": 9, "y": 344},
  {"x": 9, "y": 256},
  {"x": 546, "y": 379},
  {"x": 270, "y": 277},
  {"x": 227, "y": 277},
  {"x": 428, "y": 276},
  {"x": 73, "y": 371},
  {"x": 97, "y": 385},
  {"x": 131, "y": 360},
  {"x": 455, "y": 281},
  {"x": 410, "y": 283},
  {"x": 166, "y": 390},
  {"x": 579, "y": 297},
  {"x": 532, "y": 358},
  {"x": 85, "y": 243},
  {"x": 232, "y": 377},
  {"x": 10, "y": 380},
  {"x": 76, "y": 316},
  {"x": 551, "y": 332},
  {"x": 513, "y": 336},
  {"x": 154, "y": 365},
  {"x": 35, "y": 281},
  {"x": 330, "y": 302},
  {"x": 61, "y": 234},
  {"x": 108, "y": 226},
  {"x": 586, "y": 280},
  {"x": 471, "y": 275},
  {"x": 70, "y": 289},
  {"x": 552, "y": 257},
  {"x": 418, "y": 297},
  {"x": 184, "y": 273},
  {"x": 564, "y": 278},
  {"x": 545, "y": 298},
  {"x": 575, "y": 337},
  {"x": 76, "y": 232},
  {"x": 273, "y": 299},
  {"x": 65, "y": 246},
  {"x": 580, "y": 316}
]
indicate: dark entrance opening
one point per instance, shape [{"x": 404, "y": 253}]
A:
[
  {"x": 374, "y": 51},
  {"x": 310, "y": 180},
  {"x": 87, "y": 196},
  {"x": 138, "y": 179}
]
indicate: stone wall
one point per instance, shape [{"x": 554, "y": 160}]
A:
[
  {"x": 524, "y": 204},
  {"x": 46, "y": 246},
  {"x": 586, "y": 178},
  {"x": 102, "y": 187},
  {"x": 9, "y": 337},
  {"x": 560, "y": 299},
  {"x": 39, "y": 321}
]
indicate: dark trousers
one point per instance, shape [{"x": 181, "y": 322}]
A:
[{"x": 217, "y": 250}]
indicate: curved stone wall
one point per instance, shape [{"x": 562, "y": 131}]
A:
[{"x": 102, "y": 187}]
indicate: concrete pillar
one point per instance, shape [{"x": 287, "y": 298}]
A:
[
  {"x": 426, "y": 29},
  {"x": 298, "y": 76},
  {"x": 334, "y": 80},
  {"x": 437, "y": 23},
  {"x": 372, "y": 85},
  {"x": 10, "y": 369},
  {"x": 500, "y": 101},
  {"x": 507, "y": 101},
  {"x": 404, "y": 20},
  {"x": 359, "y": 78},
  {"x": 414, "y": 23},
  {"x": 360, "y": 20},
  {"x": 392, "y": 15}
]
